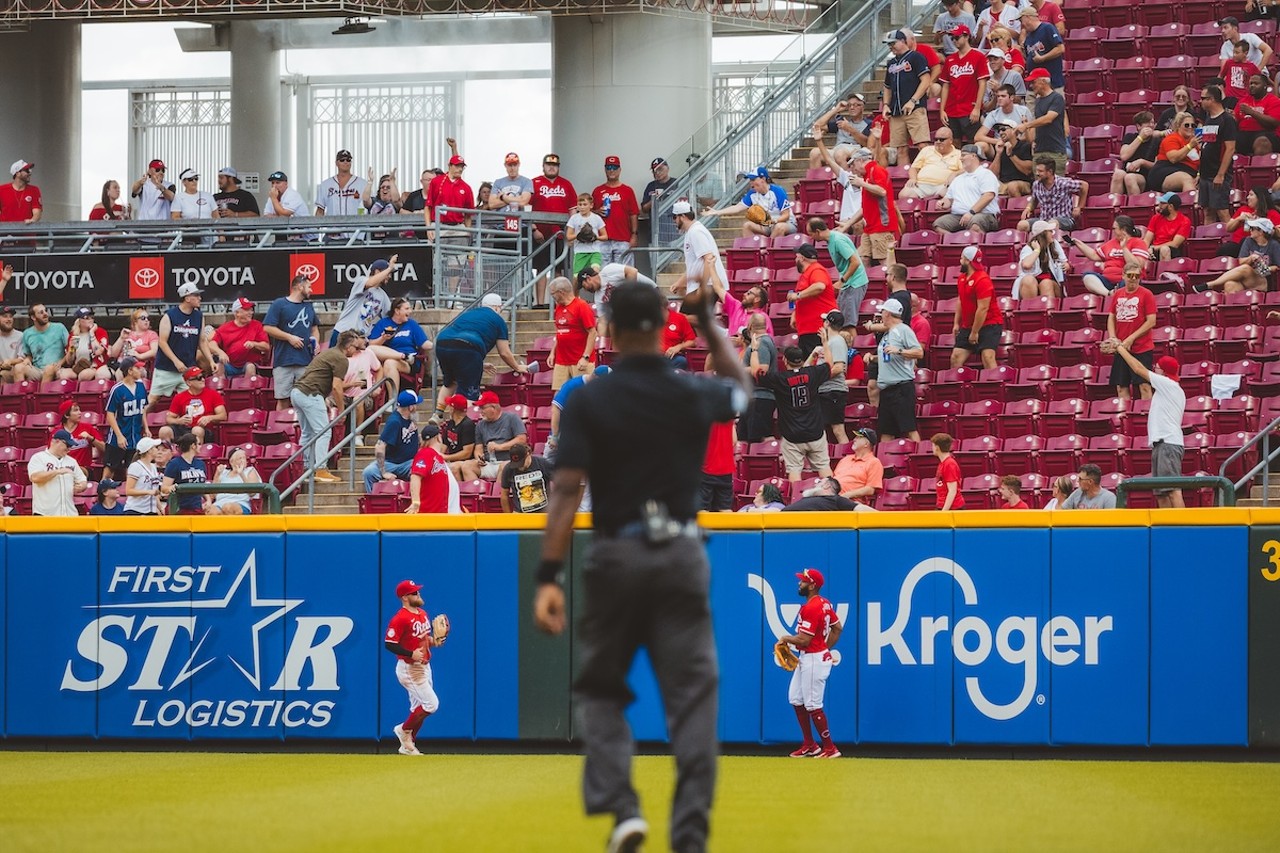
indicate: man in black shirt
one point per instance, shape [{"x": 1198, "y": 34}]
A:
[
  {"x": 638, "y": 435},
  {"x": 800, "y": 423},
  {"x": 1217, "y": 138},
  {"x": 824, "y": 497},
  {"x": 232, "y": 200},
  {"x": 416, "y": 202}
]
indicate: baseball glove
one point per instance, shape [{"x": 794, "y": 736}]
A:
[
  {"x": 784, "y": 657},
  {"x": 757, "y": 214},
  {"x": 440, "y": 626},
  {"x": 586, "y": 234}
]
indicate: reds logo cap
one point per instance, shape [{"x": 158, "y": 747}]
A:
[
  {"x": 407, "y": 588},
  {"x": 812, "y": 576},
  {"x": 21, "y": 166}
]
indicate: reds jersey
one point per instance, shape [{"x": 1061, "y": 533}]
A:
[
  {"x": 409, "y": 629},
  {"x": 19, "y": 205},
  {"x": 817, "y": 616},
  {"x": 556, "y": 196},
  {"x": 622, "y": 206},
  {"x": 444, "y": 192},
  {"x": 434, "y": 493},
  {"x": 964, "y": 74}
]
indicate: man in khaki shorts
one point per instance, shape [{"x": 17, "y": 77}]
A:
[
  {"x": 800, "y": 422},
  {"x": 906, "y": 82}
]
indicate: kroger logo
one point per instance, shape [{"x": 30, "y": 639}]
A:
[
  {"x": 973, "y": 638},
  {"x": 173, "y": 609}
]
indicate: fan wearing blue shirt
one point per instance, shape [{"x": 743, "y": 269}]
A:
[{"x": 397, "y": 444}]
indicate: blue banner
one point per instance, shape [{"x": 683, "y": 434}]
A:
[
  {"x": 738, "y": 617},
  {"x": 498, "y": 681}
]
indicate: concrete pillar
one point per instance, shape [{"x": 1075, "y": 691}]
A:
[
  {"x": 258, "y": 120},
  {"x": 41, "y": 104},
  {"x": 633, "y": 85}
]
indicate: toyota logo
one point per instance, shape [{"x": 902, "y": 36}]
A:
[
  {"x": 310, "y": 271},
  {"x": 146, "y": 278}
]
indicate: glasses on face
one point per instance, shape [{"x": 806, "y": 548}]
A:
[
  {"x": 184, "y": 180},
  {"x": 612, "y": 168},
  {"x": 344, "y": 159},
  {"x": 1188, "y": 124},
  {"x": 551, "y": 162},
  {"x": 1133, "y": 276}
]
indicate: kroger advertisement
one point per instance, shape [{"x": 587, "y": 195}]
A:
[{"x": 1064, "y": 636}]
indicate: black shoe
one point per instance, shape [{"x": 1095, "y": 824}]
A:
[{"x": 1200, "y": 288}]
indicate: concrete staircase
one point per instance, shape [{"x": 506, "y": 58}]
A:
[{"x": 1258, "y": 493}]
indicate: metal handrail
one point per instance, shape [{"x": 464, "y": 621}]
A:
[
  {"x": 271, "y": 495},
  {"x": 1224, "y": 489},
  {"x": 349, "y": 438},
  {"x": 1263, "y": 437}
]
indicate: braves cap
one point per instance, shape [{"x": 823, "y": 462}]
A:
[
  {"x": 158, "y": 165},
  {"x": 188, "y": 290},
  {"x": 681, "y": 207},
  {"x": 379, "y": 265},
  {"x": 612, "y": 160},
  {"x": 896, "y": 35},
  {"x": 869, "y": 434},
  {"x": 588, "y": 271},
  {"x": 344, "y": 154},
  {"x": 127, "y": 363},
  {"x": 107, "y": 485},
  {"x": 488, "y": 398},
  {"x": 21, "y": 166},
  {"x": 64, "y": 436},
  {"x": 457, "y": 401},
  {"x": 835, "y": 318},
  {"x": 242, "y": 304},
  {"x": 191, "y": 374},
  {"x": 812, "y": 576},
  {"x": 83, "y": 312},
  {"x": 407, "y": 588},
  {"x": 407, "y": 398},
  {"x": 657, "y": 161},
  {"x": 456, "y": 160},
  {"x": 230, "y": 173},
  {"x": 277, "y": 176}
]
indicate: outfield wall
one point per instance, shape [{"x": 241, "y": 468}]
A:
[{"x": 1126, "y": 628}]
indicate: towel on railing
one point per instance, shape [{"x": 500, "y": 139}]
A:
[{"x": 1223, "y": 386}]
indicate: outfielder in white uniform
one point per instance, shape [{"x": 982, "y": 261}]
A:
[
  {"x": 817, "y": 629},
  {"x": 410, "y": 638}
]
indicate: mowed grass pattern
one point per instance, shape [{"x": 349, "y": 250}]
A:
[{"x": 63, "y": 801}]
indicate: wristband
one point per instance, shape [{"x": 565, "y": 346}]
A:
[{"x": 550, "y": 571}]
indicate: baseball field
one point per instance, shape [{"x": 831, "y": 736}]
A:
[{"x": 118, "y": 801}]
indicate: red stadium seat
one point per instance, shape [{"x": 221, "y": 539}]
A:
[
  {"x": 938, "y": 416},
  {"x": 916, "y": 248},
  {"x": 1235, "y": 414},
  {"x": 1101, "y": 140},
  {"x": 1238, "y": 309},
  {"x": 1084, "y": 42},
  {"x": 1097, "y": 174},
  {"x": 1131, "y": 73},
  {"x": 1059, "y": 417},
  {"x": 1104, "y": 417},
  {"x": 1166, "y": 39},
  {"x": 976, "y": 418},
  {"x": 1061, "y": 454},
  {"x": 1090, "y": 108},
  {"x": 1018, "y": 454}
]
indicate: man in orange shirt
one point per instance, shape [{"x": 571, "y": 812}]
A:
[
  {"x": 813, "y": 296},
  {"x": 860, "y": 473}
]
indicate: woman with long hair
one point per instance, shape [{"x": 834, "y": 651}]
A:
[
  {"x": 236, "y": 470},
  {"x": 387, "y": 200},
  {"x": 1257, "y": 205},
  {"x": 1183, "y": 102},
  {"x": 1043, "y": 263},
  {"x": 143, "y": 480},
  {"x": 109, "y": 208},
  {"x": 88, "y": 349},
  {"x": 137, "y": 339},
  {"x": 1178, "y": 162}
]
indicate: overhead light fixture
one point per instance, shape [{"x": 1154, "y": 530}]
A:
[{"x": 354, "y": 26}]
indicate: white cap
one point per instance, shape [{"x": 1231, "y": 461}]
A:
[
  {"x": 996, "y": 53},
  {"x": 970, "y": 252},
  {"x": 1264, "y": 224},
  {"x": 20, "y": 166},
  {"x": 491, "y": 300},
  {"x": 893, "y": 306},
  {"x": 860, "y": 153},
  {"x": 146, "y": 444},
  {"x": 188, "y": 290},
  {"x": 1043, "y": 225},
  {"x": 681, "y": 206}
]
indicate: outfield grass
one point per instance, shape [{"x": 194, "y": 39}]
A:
[{"x": 115, "y": 801}]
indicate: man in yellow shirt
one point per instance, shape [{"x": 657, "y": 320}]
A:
[{"x": 934, "y": 167}]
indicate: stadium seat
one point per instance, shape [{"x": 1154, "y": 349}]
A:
[
  {"x": 8, "y": 425},
  {"x": 1002, "y": 247},
  {"x": 1131, "y": 73},
  {"x": 916, "y": 248},
  {"x": 947, "y": 252},
  {"x": 1084, "y": 42},
  {"x": 388, "y": 496},
  {"x": 1100, "y": 210},
  {"x": 1236, "y": 342},
  {"x": 1104, "y": 417},
  {"x": 91, "y": 394},
  {"x": 239, "y": 426},
  {"x": 953, "y": 384},
  {"x": 1235, "y": 414},
  {"x": 976, "y": 418},
  {"x": 1018, "y": 454},
  {"x": 992, "y": 382},
  {"x": 1195, "y": 342},
  {"x": 1224, "y": 447},
  {"x": 979, "y": 492},
  {"x": 1059, "y": 416},
  {"x": 1238, "y": 309},
  {"x": 50, "y": 394},
  {"x": 745, "y": 253},
  {"x": 975, "y": 453},
  {"x": 470, "y": 494},
  {"x": 938, "y": 416},
  {"x": 1165, "y": 39},
  {"x": 35, "y": 429},
  {"x": 1091, "y": 108},
  {"x": 1204, "y": 39},
  {"x": 1100, "y": 140},
  {"x": 762, "y": 460},
  {"x": 1097, "y": 174},
  {"x": 1061, "y": 454}
]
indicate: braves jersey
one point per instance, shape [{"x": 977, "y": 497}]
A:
[
  {"x": 333, "y": 200},
  {"x": 408, "y": 629},
  {"x": 817, "y": 617},
  {"x": 553, "y": 196}
]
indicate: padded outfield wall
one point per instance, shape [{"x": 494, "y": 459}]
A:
[{"x": 1127, "y": 628}]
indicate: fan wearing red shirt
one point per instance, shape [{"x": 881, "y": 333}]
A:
[
  {"x": 1236, "y": 72},
  {"x": 1011, "y": 493},
  {"x": 1132, "y": 317},
  {"x": 949, "y": 496},
  {"x": 449, "y": 190},
  {"x": 1258, "y": 116},
  {"x": 551, "y": 194},
  {"x": 1168, "y": 229},
  {"x": 964, "y": 86},
  {"x": 193, "y": 410},
  {"x": 879, "y": 213},
  {"x": 574, "y": 348},
  {"x": 813, "y": 296},
  {"x": 1124, "y": 247},
  {"x": 979, "y": 322},
  {"x": 429, "y": 477},
  {"x": 409, "y": 637},
  {"x": 20, "y": 200},
  {"x": 240, "y": 344},
  {"x": 616, "y": 203},
  {"x": 677, "y": 336},
  {"x": 715, "y": 493},
  {"x": 86, "y": 436}
]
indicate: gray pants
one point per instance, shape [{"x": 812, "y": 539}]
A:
[
  {"x": 313, "y": 416},
  {"x": 657, "y": 597},
  {"x": 848, "y": 300}
]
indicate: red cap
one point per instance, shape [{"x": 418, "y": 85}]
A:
[
  {"x": 812, "y": 576},
  {"x": 1169, "y": 366},
  {"x": 156, "y": 164},
  {"x": 457, "y": 401},
  {"x": 960, "y": 30},
  {"x": 407, "y": 588},
  {"x": 612, "y": 161},
  {"x": 487, "y": 398},
  {"x": 1038, "y": 74},
  {"x": 242, "y": 304},
  {"x": 456, "y": 160},
  {"x": 65, "y": 406},
  {"x": 512, "y": 157},
  {"x": 193, "y": 373}
]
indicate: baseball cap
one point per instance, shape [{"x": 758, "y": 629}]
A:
[
  {"x": 488, "y": 398},
  {"x": 1029, "y": 10},
  {"x": 188, "y": 290},
  {"x": 974, "y": 150},
  {"x": 146, "y": 444},
  {"x": 893, "y": 306},
  {"x": 65, "y": 406},
  {"x": 860, "y": 153},
  {"x": 835, "y": 318},
  {"x": 808, "y": 250},
  {"x": 1263, "y": 224},
  {"x": 429, "y": 432},
  {"x": 242, "y": 304},
  {"x": 158, "y": 165},
  {"x": 491, "y": 300},
  {"x": 1168, "y": 197},
  {"x": 64, "y": 436},
  {"x": 188, "y": 173},
  {"x": 759, "y": 172},
  {"x": 277, "y": 176},
  {"x": 869, "y": 434},
  {"x": 457, "y": 160},
  {"x": 127, "y": 363},
  {"x": 996, "y": 53},
  {"x": 812, "y": 576},
  {"x": 7, "y": 309},
  {"x": 192, "y": 374},
  {"x": 407, "y": 398},
  {"x": 602, "y": 369},
  {"x": 379, "y": 265},
  {"x": 972, "y": 254},
  {"x": 858, "y": 96},
  {"x": 512, "y": 157},
  {"x": 83, "y": 312},
  {"x": 343, "y": 154},
  {"x": 457, "y": 401},
  {"x": 229, "y": 172},
  {"x": 107, "y": 485},
  {"x": 657, "y": 161},
  {"x": 612, "y": 160},
  {"x": 588, "y": 271},
  {"x": 681, "y": 207},
  {"x": 960, "y": 30},
  {"x": 1038, "y": 74},
  {"x": 896, "y": 35},
  {"x": 1169, "y": 365},
  {"x": 407, "y": 588},
  {"x": 21, "y": 166},
  {"x": 1043, "y": 225}
]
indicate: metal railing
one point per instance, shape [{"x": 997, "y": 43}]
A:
[
  {"x": 270, "y": 494},
  {"x": 492, "y": 255},
  {"x": 1269, "y": 455},
  {"x": 1223, "y": 489}
]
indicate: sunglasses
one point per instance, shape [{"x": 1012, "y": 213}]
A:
[
  {"x": 344, "y": 159},
  {"x": 1133, "y": 276},
  {"x": 1188, "y": 124},
  {"x": 551, "y": 162},
  {"x": 612, "y": 168}
]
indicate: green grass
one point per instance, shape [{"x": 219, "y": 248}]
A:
[{"x": 114, "y": 801}]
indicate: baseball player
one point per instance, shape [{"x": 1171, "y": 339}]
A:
[
  {"x": 410, "y": 637},
  {"x": 817, "y": 629}
]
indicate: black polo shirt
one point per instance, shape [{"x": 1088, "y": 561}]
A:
[
  {"x": 821, "y": 503},
  {"x": 640, "y": 433}
]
